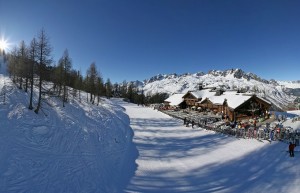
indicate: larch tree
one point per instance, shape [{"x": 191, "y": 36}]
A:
[
  {"x": 44, "y": 60},
  {"x": 92, "y": 80},
  {"x": 22, "y": 64},
  {"x": 32, "y": 62},
  {"x": 99, "y": 88},
  {"x": 65, "y": 64},
  {"x": 79, "y": 84},
  {"x": 12, "y": 64}
]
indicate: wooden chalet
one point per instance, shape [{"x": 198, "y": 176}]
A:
[
  {"x": 175, "y": 101},
  {"x": 191, "y": 98},
  {"x": 231, "y": 104},
  {"x": 236, "y": 106}
]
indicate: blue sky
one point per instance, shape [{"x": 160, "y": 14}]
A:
[{"x": 137, "y": 39}]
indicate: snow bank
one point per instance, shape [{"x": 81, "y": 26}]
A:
[{"x": 79, "y": 148}]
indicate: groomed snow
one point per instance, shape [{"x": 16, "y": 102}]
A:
[{"x": 175, "y": 158}]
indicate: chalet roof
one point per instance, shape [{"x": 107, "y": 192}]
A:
[
  {"x": 233, "y": 98},
  {"x": 265, "y": 100},
  {"x": 175, "y": 99},
  {"x": 202, "y": 94}
]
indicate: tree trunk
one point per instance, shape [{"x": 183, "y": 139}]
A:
[
  {"x": 20, "y": 84},
  {"x": 31, "y": 87},
  {"x": 26, "y": 84},
  {"x": 31, "y": 93},
  {"x": 40, "y": 97}
]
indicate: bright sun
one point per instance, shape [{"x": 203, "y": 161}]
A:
[{"x": 3, "y": 44}]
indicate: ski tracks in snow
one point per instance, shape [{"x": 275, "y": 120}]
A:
[
  {"x": 175, "y": 158},
  {"x": 56, "y": 151}
]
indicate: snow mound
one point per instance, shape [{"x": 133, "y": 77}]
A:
[{"x": 77, "y": 148}]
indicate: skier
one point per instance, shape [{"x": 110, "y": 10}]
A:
[
  {"x": 271, "y": 135},
  {"x": 187, "y": 122},
  {"x": 193, "y": 123},
  {"x": 291, "y": 149}
]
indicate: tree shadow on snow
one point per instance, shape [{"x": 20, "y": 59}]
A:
[
  {"x": 129, "y": 165},
  {"x": 268, "y": 169}
]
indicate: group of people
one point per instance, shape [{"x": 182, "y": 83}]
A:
[
  {"x": 186, "y": 122},
  {"x": 267, "y": 132}
]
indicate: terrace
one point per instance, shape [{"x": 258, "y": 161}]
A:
[{"x": 269, "y": 129}]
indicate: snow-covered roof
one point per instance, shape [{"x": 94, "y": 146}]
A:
[
  {"x": 175, "y": 99},
  {"x": 265, "y": 100},
  {"x": 205, "y": 93},
  {"x": 233, "y": 98}
]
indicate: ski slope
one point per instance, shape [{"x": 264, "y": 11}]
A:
[
  {"x": 117, "y": 147},
  {"x": 175, "y": 158},
  {"x": 80, "y": 148}
]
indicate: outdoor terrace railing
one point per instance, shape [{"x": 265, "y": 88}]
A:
[{"x": 261, "y": 132}]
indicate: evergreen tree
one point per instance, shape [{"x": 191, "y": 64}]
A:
[
  {"x": 116, "y": 90},
  {"x": 109, "y": 88},
  {"x": 123, "y": 89},
  {"x": 130, "y": 93}
]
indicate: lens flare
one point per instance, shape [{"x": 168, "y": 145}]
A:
[{"x": 3, "y": 44}]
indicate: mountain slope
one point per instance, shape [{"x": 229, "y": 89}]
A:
[{"x": 276, "y": 92}]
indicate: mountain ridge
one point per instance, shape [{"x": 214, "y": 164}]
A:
[
  {"x": 237, "y": 73},
  {"x": 280, "y": 93}
]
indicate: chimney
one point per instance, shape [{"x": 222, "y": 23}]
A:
[
  {"x": 219, "y": 92},
  {"x": 200, "y": 86}
]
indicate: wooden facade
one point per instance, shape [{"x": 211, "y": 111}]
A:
[
  {"x": 190, "y": 99},
  {"x": 251, "y": 107}
]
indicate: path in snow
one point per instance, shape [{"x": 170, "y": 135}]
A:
[{"x": 174, "y": 158}]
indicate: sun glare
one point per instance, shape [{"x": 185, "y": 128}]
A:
[{"x": 3, "y": 44}]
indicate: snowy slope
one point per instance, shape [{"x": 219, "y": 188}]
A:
[
  {"x": 88, "y": 148},
  {"x": 279, "y": 93},
  {"x": 79, "y": 148},
  {"x": 290, "y": 84},
  {"x": 174, "y": 158}
]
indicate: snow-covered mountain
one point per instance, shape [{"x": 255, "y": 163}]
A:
[{"x": 280, "y": 93}]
